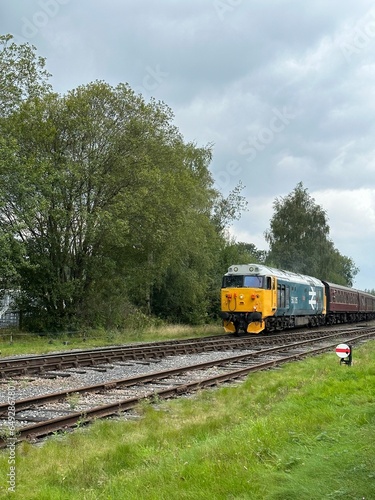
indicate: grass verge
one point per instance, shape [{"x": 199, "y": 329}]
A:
[{"x": 303, "y": 431}]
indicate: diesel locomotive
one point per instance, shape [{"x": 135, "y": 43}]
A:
[{"x": 256, "y": 298}]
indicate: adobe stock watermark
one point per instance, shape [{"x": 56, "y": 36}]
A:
[
  {"x": 252, "y": 146},
  {"x": 360, "y": 36},
  {"x": 10, "y": 437},
  {"x": 40, "y": 18},
  {"x": 152, "y": 80},
  {"x": 224, "y": 7}
]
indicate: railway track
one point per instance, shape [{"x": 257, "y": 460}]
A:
[
  {"x": 41, "y": 364},
  {"x": 53, "y": 412}
]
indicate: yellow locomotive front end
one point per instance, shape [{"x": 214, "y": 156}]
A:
[{"x": 248, "y": 297}]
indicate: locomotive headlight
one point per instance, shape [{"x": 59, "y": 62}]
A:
[{"x": 241, "y": 297}]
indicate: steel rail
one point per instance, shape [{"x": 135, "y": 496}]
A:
[
  {"x": 31, "y": 365},
  {"x": 58, "y": 361},
  {"x": 83, "y": 417},
  {"x": 27, "y": 403}
]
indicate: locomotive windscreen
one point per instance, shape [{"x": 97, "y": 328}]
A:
[
  {"x": 253, "y": 281},
  {"x": 238, "y": 281}
]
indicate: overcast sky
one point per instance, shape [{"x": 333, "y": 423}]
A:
[{"x": 283, "y": 89}]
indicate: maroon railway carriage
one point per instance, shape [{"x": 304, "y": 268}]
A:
[
  {"x": 367, "y": 304},
  {"x": 346, "y": 305}
]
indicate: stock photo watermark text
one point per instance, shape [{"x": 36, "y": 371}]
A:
[
  {"x": 9, "y": 433},
  {"x": 40, "y": 18}
]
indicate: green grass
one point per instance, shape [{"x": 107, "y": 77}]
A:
[
  {"x": 303, "y": 431},
  {"x": 15, "y": 343}
]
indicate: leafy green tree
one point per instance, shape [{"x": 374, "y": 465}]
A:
[
  {"x": 297, "y": 229},
  {"x": 299, "y": 240},
  {"x": 22, "y": 74},
  {"x": 80, "y": 160},
  {"x": 106, "y": 199},
  {"x": 11, "y": 250},
  {"x": 187, "y": 290},
  {"x": 226, "y": 210},
  {"x": 182, "y": 264},
  {"x": 241, "y": 253},
  {"x": 104, "y": 207},
  {"x": 175, "y": 189}
]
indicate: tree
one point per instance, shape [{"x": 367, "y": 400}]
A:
[
  {"x": 299, "y": 240},
  {"x": 105, "y": 198},
  {"x": 241, "y": 253},
  {"x": 188, "y": 288},
  {"x": 22, "y": 74},
  {"x": 226, "y": 210},
  {"x": 72, "y": 162},
  {"x": 103, "y": 206},
  {"x": 298, "y": 229}
]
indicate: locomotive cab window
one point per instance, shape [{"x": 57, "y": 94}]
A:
[
  {"x": 232, "y": 281},
  {"x": 253, "y": 281},
  {"x": 238, "y": 281}
]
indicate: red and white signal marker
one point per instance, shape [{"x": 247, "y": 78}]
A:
[{"x": 342, "y": 350}]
